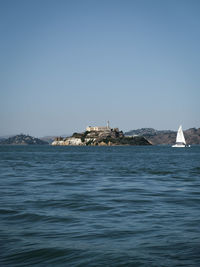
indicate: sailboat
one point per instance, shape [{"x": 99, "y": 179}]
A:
[{"x": 180, "y": 139}]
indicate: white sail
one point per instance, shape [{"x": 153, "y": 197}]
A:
[{"x": 180, "y": 137}]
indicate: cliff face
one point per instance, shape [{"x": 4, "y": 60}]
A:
[
  {"x": 111, "y": 137},
  {"x": 192, "y": 136},
  {"x": 23, "y": 140}
]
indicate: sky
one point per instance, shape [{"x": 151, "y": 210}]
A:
[{"x": 68, "y": 64}]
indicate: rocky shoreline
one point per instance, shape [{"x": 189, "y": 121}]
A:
[{"x": 109, "y": 137}]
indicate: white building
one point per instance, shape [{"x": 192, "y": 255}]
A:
[{"x": 99, "y": 128}]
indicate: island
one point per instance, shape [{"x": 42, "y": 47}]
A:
[
  {"x": 100, "y": 136},
  {"x": 23, "y": 139}
]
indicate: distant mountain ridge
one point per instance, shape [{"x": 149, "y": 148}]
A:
[
  {"x": 147, "y": 131},
  {"x": 168, "y": 137},
  {"x": 155, "y": 137},
  {"x": 22, "y": 139}
]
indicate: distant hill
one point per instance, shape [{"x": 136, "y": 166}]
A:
[
  {"x": 22, "y": 139},
  {"x": 48, "y": 139},
  {"x": 157, "y": 137},
  {"x": 51, "y": 138},
  {"x": 147, "y": 131}
]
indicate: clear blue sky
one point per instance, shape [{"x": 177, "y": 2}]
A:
[{"x": 66, "y": 64}]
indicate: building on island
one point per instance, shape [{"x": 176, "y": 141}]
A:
[
  {"x": 99, "y": 136},
  {"x": 99, "y": 128},
  {"x": 94, "y": 135}
]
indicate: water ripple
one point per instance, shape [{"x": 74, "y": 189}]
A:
[{"x": 90, "y": 206}]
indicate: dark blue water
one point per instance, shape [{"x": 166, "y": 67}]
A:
[{"x": 99, "y": 206}]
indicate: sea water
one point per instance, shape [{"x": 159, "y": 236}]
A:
[{"x": 99, "y": 206}]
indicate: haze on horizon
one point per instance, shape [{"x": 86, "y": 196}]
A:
[{"x": 69, "y": 64}]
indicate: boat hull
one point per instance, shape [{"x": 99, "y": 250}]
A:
[{"x": 179, "y": 145}]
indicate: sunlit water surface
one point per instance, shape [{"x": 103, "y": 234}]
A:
[{"x": 99, "y": 206}]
